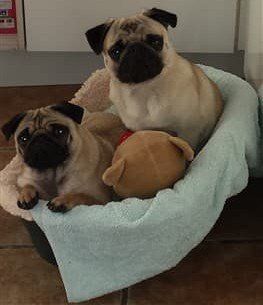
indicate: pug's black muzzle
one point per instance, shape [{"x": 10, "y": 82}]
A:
[
  {"x": 43, "y": 152},
  {"x": 139, "y": 63}
]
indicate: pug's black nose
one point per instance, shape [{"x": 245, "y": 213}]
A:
[
  {"x": 40, "y": 138},
  {"x": 43, "y": 153},
  {"x": 139, "y": 63},
  {"x": 136, "y": 47}
]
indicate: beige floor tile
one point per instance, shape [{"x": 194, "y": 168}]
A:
[
  {"x": 26, "y": 279},
  {"x": 242, "y": 217},
  {"x": 222, "y": 274},
  {"x": 13, "y": 232}
]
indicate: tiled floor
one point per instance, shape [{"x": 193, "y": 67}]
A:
[{"x": 226, "y": 269}]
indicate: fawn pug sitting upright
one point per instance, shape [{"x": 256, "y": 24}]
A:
[
  {"x": 152, "y": 86},
  {"x": 61, "y": 160}
]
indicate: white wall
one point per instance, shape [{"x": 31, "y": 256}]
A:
[
  {"x": 203, "y": 25},
  {"x": 254, "y": 43},
  {"x": 242, "y": 25}
]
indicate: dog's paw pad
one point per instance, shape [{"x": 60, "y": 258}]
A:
[
  {"x": 57, "y": 208},
  {"x": 27, "y": 205}
]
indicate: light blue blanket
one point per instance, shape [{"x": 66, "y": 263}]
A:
[{"x": 100, "y": 249}]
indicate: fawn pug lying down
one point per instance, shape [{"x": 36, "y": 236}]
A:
[{"x": 62, "y": 159}]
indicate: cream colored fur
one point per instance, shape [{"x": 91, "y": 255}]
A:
[{"x": 180, "y": 99}]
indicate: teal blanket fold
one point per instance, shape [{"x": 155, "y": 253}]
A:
[{"x": 100, "y": 249}]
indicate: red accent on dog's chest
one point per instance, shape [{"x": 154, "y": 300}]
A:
[{"x": 125, "y": 136}]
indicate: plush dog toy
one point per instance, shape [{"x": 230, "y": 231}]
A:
[{"x": 146, "y": 162}]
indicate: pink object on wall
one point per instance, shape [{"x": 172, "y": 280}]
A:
[{"x": 8, "y": 17}]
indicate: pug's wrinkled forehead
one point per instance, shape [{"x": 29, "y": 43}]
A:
[
  {"x": 43, "y": 117},
  {"x": 130, "y": 29}
]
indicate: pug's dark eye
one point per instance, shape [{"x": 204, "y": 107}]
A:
[
  {"x": 155, "y": 41},
  {"x": 116, "y": 50},
  {"x": 23, "y": 137},
  {"x": 59, "y": 130}
]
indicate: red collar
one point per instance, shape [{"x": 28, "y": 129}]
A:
[{"x": 125, "y": 135}]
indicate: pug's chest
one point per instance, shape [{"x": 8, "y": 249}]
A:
[
  {"x": 47, "y": 183},
  {"x": 144, "y": 113}
]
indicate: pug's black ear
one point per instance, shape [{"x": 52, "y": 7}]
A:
[
  {"x": 96, "y": 36},
  {"x": 72, "y": 111},
  {"x": 10, "y": 127},
  {"x": 164, "y": 17}
]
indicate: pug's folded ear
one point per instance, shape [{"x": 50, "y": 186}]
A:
[
  {"x": 10, "y": 127},
  {"x": 72, "y": 111},
  {"x": 163, "y": 17},
  {"x": 96, "y": 36}
]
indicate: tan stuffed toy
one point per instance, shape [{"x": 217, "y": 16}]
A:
[{"x": 148, "y": 161}]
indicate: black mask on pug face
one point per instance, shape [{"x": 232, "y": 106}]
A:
[
  {"x": 46, "y": 149},
  {"x": 139, "y": 62}
]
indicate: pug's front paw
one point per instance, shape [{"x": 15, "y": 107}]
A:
[
  {"x": 65, "y": 203},
  {"x": 28, "y": 198},
  {"x": 58, "y": 205}
]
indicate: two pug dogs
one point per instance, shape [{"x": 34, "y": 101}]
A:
[{"x": 151, "y": 86}]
